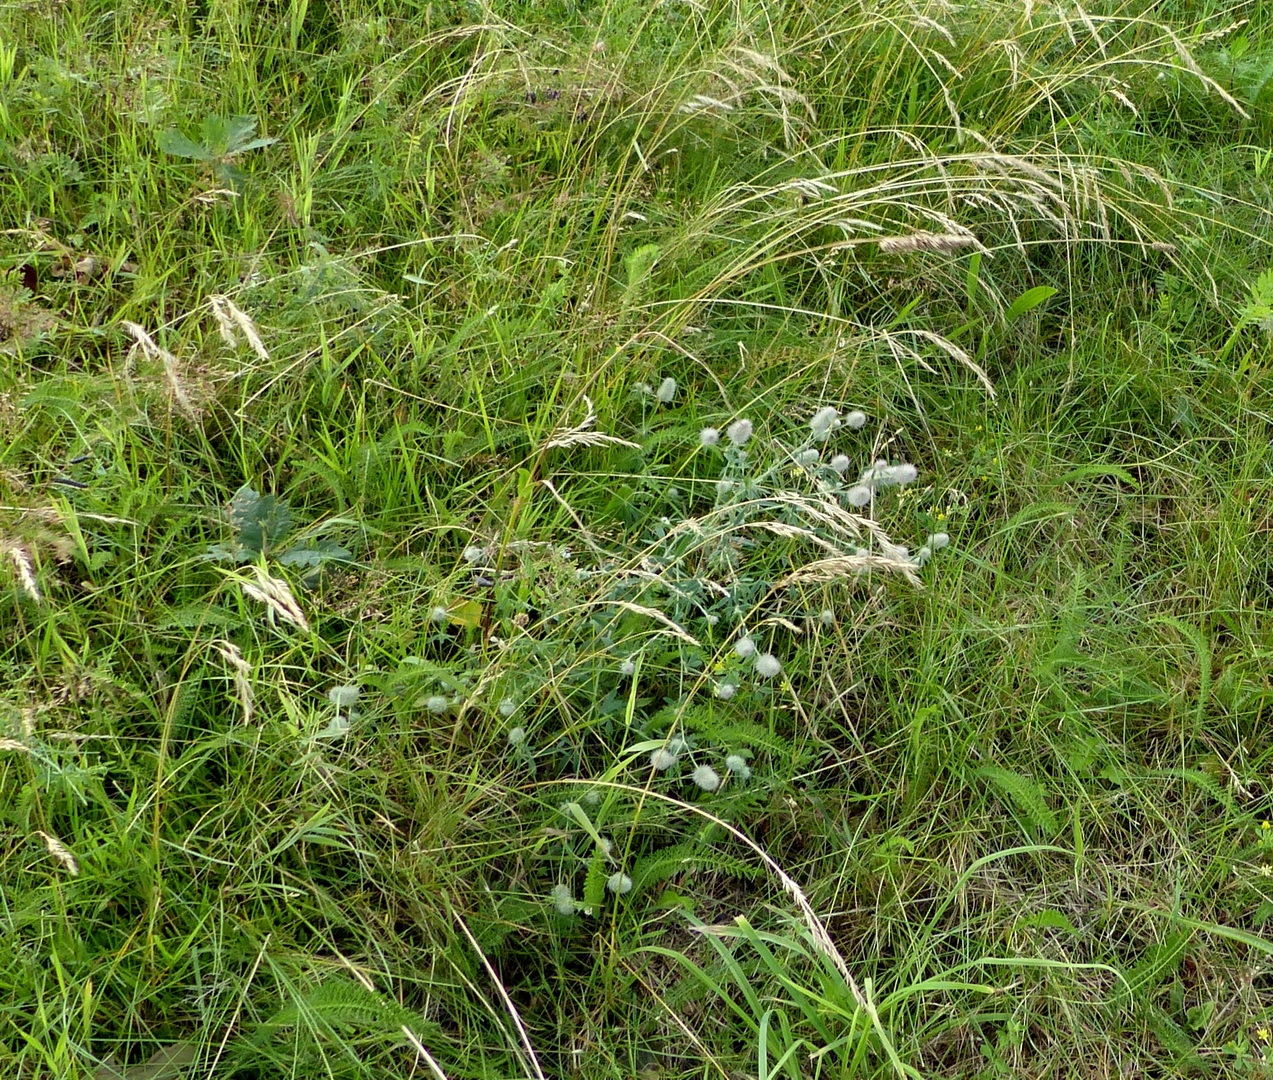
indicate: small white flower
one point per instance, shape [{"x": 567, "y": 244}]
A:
[
  {"x": 725, "y": 691},
  {"x": 619, "y": 884},
  {"x": 677, "y": 745},
  {"x": 938, "y": 541},
  {"x": 474, "y": 554},
  {"x": 737, "y": 765},
  {"x": 606, "y": 845},
  {"x": 840, "y": 463},
  {"x": 436, "y": 704},
  {"x": 859, "y": 495},
  {"x": 507, "y": 707},
  {"x": 662, "y": 759},
  {"x": 739, "y": 432},
  {"x": 709, "y": 436},
  {"x": 666, "y": 391},
  {"x": 643, "y": 388},
  {"x": 517, "y": 736},
  {"x": 562, "y": 900},
  {"x": 724, "y": 487},
  {"x": 706, "y": 777},
  {"x": 855, "y": 419},
  {"x": 807, "y": 457},
  {"x": 344, "y": 697},
  {"x": 923, "y": 555},
  {"x": 712, "y": 620},
  {"x": 627, "y": 668},
  {"x": 767, "y": 665},
  {"x": 744, "y": 647},
  {"x": 826, "y": 617},
  {"x": 824, "y": 421},
  {"x": 440, "y": 614}
]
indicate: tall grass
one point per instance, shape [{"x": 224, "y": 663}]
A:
[{"x": 416, "y": 664}]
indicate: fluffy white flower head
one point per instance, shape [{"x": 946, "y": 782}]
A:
[
  {"x": 807, "y": 457},
  {"x": 737, "y": 765},
  {"x": 662, "y": 759},
  {"x": 709, "y": 436},
  {"x": 440, "y": 614},
  {"x": 859, "y": 495},
  {"x": 856, "y": 419},
  {"x": 344, "y": 697},
  {"x": 739, "y": 432},
  {"x": 474, "y": 554},
  {"x": 840, "y": 463},
  {"x": 706, "y": 777},
  {"x": 619, "y": 884},
  {"x": 744, "y": 647},
  {"x": 824, "y": 421},
  {"x": 666, "y": 391},
  {"x": 436, "y": 704},
  {"x": 827, "y": 617},
  {"x": 507, "y": 707},
  {"x": 767, "y": 665},
  {"x": 562, "y": 900},
  {"x": 725, "y": 691},
  {"x": 627, "y": 668},
  {"x": 938, "y": 541},
  {"x": 517, "y": 736},
  {"x": 904, "y": 474}
]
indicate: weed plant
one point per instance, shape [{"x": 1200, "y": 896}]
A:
[{"x": 684, "y": 539}]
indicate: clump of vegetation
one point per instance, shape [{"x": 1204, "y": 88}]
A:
[{"x": 682, "y": 539}]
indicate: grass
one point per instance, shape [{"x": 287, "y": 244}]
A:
[{"x": 372, "y": 700}]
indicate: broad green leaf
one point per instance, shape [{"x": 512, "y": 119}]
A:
[
  {"x": 176, "y": 144},
  {"x": 1028, "y": 301}
]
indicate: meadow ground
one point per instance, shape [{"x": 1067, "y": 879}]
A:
[{"x": 682, "y": 539}]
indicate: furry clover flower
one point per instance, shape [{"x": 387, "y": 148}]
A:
[
  {"x": 619, "y": 884},
  {"x": 737, "y": 765},
  {"x": 739, "y": 432},
  {"x": 706, "y": 777},
  {"x": 666, "y": 391},
  {"x": 662, "y": 759},
  {"x": 767, "y": 665},
  {"x": 709, "y": 436},
  {"x": 744, "y": 647},
  {"x": 344, "y": 697},
  {"x": 824, "y": 421},
  {"x": 562, "y": 900}
]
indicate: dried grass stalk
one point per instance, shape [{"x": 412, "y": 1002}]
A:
[
  {"x": 276, "y": 595},
  {"x": 60, "y": 852}
]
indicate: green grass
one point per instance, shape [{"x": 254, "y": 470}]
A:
[{"x": 333, "y": 334}]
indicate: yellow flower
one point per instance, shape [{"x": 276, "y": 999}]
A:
[{"x": 1263, "y": 1034}]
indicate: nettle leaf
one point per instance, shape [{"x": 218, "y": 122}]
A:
[
  {"x": 314, "y": 554},
  {"x": 229, "y": 135},
  {"x": 176, "y": 144},
  {"x": 259, "y": 520}
]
